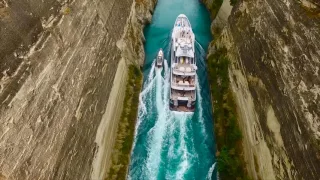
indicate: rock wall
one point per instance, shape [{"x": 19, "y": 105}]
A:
[
  {"x": 58, "y": 62},
  {"x": 132, "y": 52},
  {"x": 275, "y": 59}
]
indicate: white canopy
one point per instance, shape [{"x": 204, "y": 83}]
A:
[{"x": 185, "y": 51}]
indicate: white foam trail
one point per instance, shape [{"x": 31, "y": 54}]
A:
[
  {"x": 209, "y": 176},
  {"x": 159, "y": 130},
  {"x": 151, "y": 73},
  {"x": 148, "y": 87},
  {"x": 166, "y": 69},
  {"x": 172, "y": 154},
  {"x": 172, "y": 140},
  {"x": 169, "y": 46},
  {"x": 159, "y": 87},
  {"x": 143, "y": 95},
  {"x": 142, "y": 107},
  {"x": 142, "y": 112},
  {"x": 184, "y": 164},
  {"x": 166, "y": 87},
  {"x": 142, "y": 98},
  {"x": 199, "y": 97},
  {"x": 202, "y": 51}
]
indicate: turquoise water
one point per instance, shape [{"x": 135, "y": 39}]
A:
[{"x": 172, "y": 145}]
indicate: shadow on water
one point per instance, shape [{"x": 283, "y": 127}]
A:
[{"x": 171, "y": 145}]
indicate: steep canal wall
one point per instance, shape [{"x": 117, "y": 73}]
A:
[
  {"x": 63, "y": 78},
  {"x": 273, "y": 53}
]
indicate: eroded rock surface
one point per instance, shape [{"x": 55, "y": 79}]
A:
[
  {"x": 58, "y": 60},
  {"x": 274, "y": 48}
]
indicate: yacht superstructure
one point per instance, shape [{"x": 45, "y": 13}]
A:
[{"x": 183, "y": 67}]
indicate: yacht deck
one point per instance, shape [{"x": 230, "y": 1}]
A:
[
  {"x": 182, "y": 22},
  {"x": 183, "y": 82},
  {"x": 183, "y": 95},
  {"x": 183, "y": 109},
  {"x": 184, "y": 69}
]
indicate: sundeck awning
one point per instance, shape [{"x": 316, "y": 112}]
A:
[{"x": 186, "y": 51}]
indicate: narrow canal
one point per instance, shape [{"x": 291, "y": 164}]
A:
[{"x": 173, "y": 145}]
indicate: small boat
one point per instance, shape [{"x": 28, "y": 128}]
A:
[
  {"x": 160, "y": 58},
  {"x": 183, "y": 80}
]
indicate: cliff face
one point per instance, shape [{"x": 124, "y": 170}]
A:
[
  {"x": 58, "y": 62},
  {"x": 274, "y": 50}
]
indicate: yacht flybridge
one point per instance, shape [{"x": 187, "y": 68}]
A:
[{"x": 183, "y": 67}]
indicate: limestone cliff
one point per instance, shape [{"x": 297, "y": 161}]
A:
[
  {"x": 274, "y": 50},
  {"x": 61, "y": 77}
]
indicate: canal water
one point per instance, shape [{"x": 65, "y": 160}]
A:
[{"x": 172, "y": 145}]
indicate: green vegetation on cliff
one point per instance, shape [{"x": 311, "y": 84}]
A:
[
  {"x": 228, "y": 134},
  {"x": 126, "y": 127},
  {"x": 233, "y": 2},
  {"x": 214, "y": 7}
]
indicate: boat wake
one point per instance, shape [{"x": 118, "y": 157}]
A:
[
  {"x": 169, "y": 145},
  {"x": 209, "y": 177}
]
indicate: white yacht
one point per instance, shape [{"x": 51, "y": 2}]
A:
[
  {"x": 183, "y": 67},
  {"x": 160, "y": 58}
]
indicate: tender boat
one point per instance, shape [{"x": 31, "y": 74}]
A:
[
  {"x": 160, "y": 58},
  {"x": 183, "y": 67}
]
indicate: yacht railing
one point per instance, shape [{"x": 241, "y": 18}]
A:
[
  {"x": 182, "y": 84},
  {"x": 184, "y": 68},
  {"x": 188, "y": 95}
]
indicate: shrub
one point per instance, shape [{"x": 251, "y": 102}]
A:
[
  {"x": 228, "y": 134},
  {"x": 66, "y": 11},
  {"x": 215, "y": 6},
  {"x": 233, "y": 2},
  {"x": 126, "y": 127}
]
